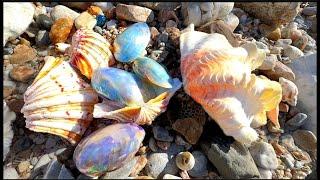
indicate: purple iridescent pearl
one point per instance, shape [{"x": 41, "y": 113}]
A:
[{"x": 108, "y": 148}]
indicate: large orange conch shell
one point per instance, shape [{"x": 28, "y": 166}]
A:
[{"x": 218, "y": 76}]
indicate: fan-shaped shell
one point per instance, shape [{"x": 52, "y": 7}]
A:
[
  {"x": 128, "y": 97},
  {"x": 152, "y": 71},
  {"x": 59, "y": 101},
  {"x": 132, "y": 42},
  {"x": 89, "y": 51},
  {"x": 108, "y": 148},
  {"x": 218, "y": 77}
]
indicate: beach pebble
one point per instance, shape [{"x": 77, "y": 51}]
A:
[
  {"x": 171, "y": 23},
  {"x": 305, "y": 140},
  {"x": 61, "y": 11},
  {"x": 309, "y": 11},
  {"x": 200, "y": 167},
  {"x": 161, "y": 134},
  {"x": 22, "y": 73},
  {"x": 264, "y": 155},
  {"x": 95, "y": 10},
  {"x": 60, "y": 30},
  {"x": 44, "y": 22},
  {"x": 134, "y": 13},
  {"x": 17, "y": 17},
  {"x": 105, "y": 6},
  {"x": 85, "y": 20},
  {"x": 22, "y": 54},
  {"x": 288, "y": 142},
  {"x": 292, "y": 52},
  {"x": 288, "y": 160},
  {"x": 156, "y": 164},
  {"x": 123, "y": 172},
  {"x": 289, "y": 91},
  {"x": 53, "y": 169},
  {"x": 42, "y": 38},
  {"x": 190, "y": 128},
  {"x": 265, "y": 173},
  {"x": 112, "y": 24},
  {"x": 232, "y": 21},
  {"x": 280, "y": 70},
  {"x": 10, "y": 173},
  {"x": 269, "y": 62},
  {"x": 296, "y": 121},
  {"x": 65, "y": 173},
  {"x": 42, "y": 163}
]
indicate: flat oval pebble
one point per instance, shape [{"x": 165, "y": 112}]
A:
[
  {"x": 108, "y": 149},
  {"x": 131, "y": 43},
  {"x": 305, "y": 139},
  {"x": 60, "y": 30}
]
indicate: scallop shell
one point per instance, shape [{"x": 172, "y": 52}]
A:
[
  {"x": 108, "y": 148},
  {"x": 129, "y": 98},
  {"x": 59, "y": 101},
  {"x": 218, "y": 76},
  {"x": 132, "y": 42},
  {"x": 89, "y": 51}
]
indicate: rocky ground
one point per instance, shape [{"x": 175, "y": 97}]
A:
[{"x": 289, "y": 153}]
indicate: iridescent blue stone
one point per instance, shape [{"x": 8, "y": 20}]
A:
[
  {"x": 131, "y": 43},
  {"x": 152, "y": 71},
  {"x": 117, "y": 85},
  {"x": 101, "y": 20},
  {"x": 108, "y": 149}
]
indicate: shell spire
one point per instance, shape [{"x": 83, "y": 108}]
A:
[
  {"x": 218, "y": 76},
  {"x": 59, "y": 101},
  {"x": 89, "y": 51}
]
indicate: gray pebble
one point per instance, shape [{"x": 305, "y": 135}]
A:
[
  {"x": 298, "y": 164},
  {"x": 7, "y": 50},
  {"x": 53, "y": 169},
  {"x": 123, "y": 172},
  {"x": 10, "y": 173},
  {"x": 309, "y": 11},
  {"x": 283, "y": 43},
  {"x": 59, "y": 151},
  {"x": 163, "y": 37},
  {"x": 152, "y": 145},
  {"x": 156, "y": 164},
  {"x": 297, "y": 120},
  {"x": 161, "y": 134},
  {"x": 288, "y": 160},
  {"x": 98, "y": 29},
  {"x": 51, "y": 142},
  {"x": 22, "y": 144},
  {"x": 39, "y": 139},
  {"x": 264, "y": 155},
  {"x": 41, "y": 164},
  {"x": 34, "y": 161},
  {"x": 288, "y": 142},
  {"x": 112, "y": 24},
  {"x": 65, "y": 173},
  {"x": 200, "y": 167},
  {"x": 42, "y": 38},
  {"x": 44, "y": 22}
]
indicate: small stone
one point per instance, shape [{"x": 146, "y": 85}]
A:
[
  {"x": 269, "y": 62},
  {"x": 301, "y": 42},
  {"x": 152, "y": 145},
  {"x": 39, "y": 139},
  {"x": 7, "y": 91},
  {"x": 288, "y": 160},
  {"x": 169, "y": 176},
  {"x": 190, "y": 128},
  {"x": 50, "y": 143},
  {"x": 298, "y": 120},
  {"x": 101, "y": 20},
  {"x": 174, "y": 34},
  {"x": 60, "y": 151},
  {"x": 309, "y": 11},
  {"x": 112, "y": 24},
  {"x": 280, "y": 70},
  {"x": 301, "y": 156},
  {"x": 16, "y": 105},
  {"x": 154, "y": 33},
  {"x": 298, "y": 164},
  {"x": 161, "y": 134},
  {"x": 105, "y": 6},
  {"x": 34, "y": 161},
  {"x": 305, "y": 139},
  {"x": 163, "y": 145},
  {"x": 7, "y": 50},
  {"x": 53, "y": 170},
  {"x": 10, "y": 173},
  {"x": 60, "y": 30},
  {"x": 264, "y": 155},
  {"x": 200, "y": 167},
  {"x": 289, "y": 91},
  {"x": 140, "y": 164},
  {"x": 156, "y": 164},
  {"x": 23, "y": 166},
  {"x": 292, "y": 52},
  {"x": 65, "y": 173},
  {"x": 265, "y": 173},
  {"x": 180, "y": 141},
  {"x": 42, "y": 163},
  {"x": 163, "y": 37},
  {"x": 288, "y": 142},
  {"x": 171, "y": 23},
  {"x": 123, "y": 172},
  {"x": 134, "y": 13},
  {"x": 275, "y": 50},
  {"x": 85, "y": 20},
  {"x": 22, "y": 73},
  {"x": 232, "y": 21},
  {"x": 22, "y": 144},
  {"x": 283, "y": 43},
  {"x": 95, "y": 10},
  {"x": 22, "y": 54},
  {"x": 44, "y": 22},
  {"x": 283, "y": 107},
  {"x": 61, "y": 11},
  {"x": 271, "y": 33},
  {"x": 43, "y": 38},
  {"x": 280, "y": 150},
  {"x": 164, "y": 15}
]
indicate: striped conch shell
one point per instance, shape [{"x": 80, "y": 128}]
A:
[
  {"x": 59, "y": 101},
  {"x": 218, "y": 76},
  {"x": 89, "y": 50}
]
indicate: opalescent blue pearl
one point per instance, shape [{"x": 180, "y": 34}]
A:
[
  {"x": 117, "y": 85},
  {"x": 101, "y": 20},
  {"x": 131, "y": 43},
  {"x": 108, "y": 148}
]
